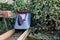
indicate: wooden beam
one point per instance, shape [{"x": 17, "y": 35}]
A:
[
  {"x": 6, "y": 14},
  {"x": 7, "y": 35},
  {"x": 24, "y": 35}
]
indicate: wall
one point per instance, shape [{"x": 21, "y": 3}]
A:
[{"x": 9, "y": 1}]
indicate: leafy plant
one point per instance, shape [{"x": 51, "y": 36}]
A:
[
  {"x": 45, "y": 16},
  {"x": 8, "y": 7},
  {"x": 20, "y": 5},
  {"x": 44, "y": 11}
]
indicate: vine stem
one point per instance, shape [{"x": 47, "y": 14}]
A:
[{"x": 5, "y": 24}]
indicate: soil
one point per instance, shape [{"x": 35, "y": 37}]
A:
[{"x": 14, "y": 37}]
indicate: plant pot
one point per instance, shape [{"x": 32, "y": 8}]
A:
[{"x": 23, "y": 20}]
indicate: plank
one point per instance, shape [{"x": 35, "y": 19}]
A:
[
  {"x": 6, "y": 14},
  {"x": 7, "y": 35},
  {"x": 24, "y": 35}
]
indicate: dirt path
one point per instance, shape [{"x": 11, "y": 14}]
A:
[{"x": 14, "y": 37}]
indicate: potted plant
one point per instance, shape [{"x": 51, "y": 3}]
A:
[{"x": 23, "y": 15}]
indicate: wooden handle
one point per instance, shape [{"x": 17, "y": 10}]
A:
[
  {"x": 6, "y": 14},
  {"x": 7, "y": 34},
  {"x": 24, "y": 35}
]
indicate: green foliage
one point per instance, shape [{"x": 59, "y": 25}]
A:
[
  {"x": 20, "y": 5},
  {"x": 45, "y": 16},
  {"x": 8, "y": 26},
  {"x": 6, "y": 6},
  {"x": 45, "y": 10},
  {"x": 10, "y": 7}
]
